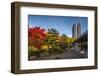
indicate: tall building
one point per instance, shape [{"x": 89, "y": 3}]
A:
[{"x": 76, "y": 30}]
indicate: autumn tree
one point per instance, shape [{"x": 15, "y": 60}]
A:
[
  {"x": 36, "y": 36},
  {"x": 53, "y": 40}
]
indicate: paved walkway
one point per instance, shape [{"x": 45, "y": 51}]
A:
[{"x": 68, "y": 54}]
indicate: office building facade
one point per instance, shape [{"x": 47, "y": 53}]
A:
[{"x": 76, "y": 30}]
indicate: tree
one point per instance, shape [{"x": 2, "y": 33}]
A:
[
  {"x": 53, "y": 31},
  {"x": 52, "y": 40},
  {"x": 36, "y": 36}
]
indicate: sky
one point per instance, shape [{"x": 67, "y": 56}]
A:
[{"x": 63, "y": 24}]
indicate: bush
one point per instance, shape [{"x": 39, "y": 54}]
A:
[
  {"x": 55, "y": 50},
  {"x": 44, "y": 48},
  {"x": 63, "y": 45},
  {"x": 32, "y": 51}
]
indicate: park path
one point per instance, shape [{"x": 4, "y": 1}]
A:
[{"x": 68, "y": 54}]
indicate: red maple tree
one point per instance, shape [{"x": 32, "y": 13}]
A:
[{"x": 36, "y": 35}]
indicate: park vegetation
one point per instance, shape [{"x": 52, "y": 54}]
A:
[{"x": 43, "y": 42}]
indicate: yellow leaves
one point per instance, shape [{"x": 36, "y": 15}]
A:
[
  {"x": 57, "y": 40},
  {"x": 44, "y": 47},
  {"x": 33, "y": 48},
  {"x": 50, "y": 46}
]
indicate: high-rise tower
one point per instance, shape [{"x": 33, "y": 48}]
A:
[{"x": 76, "y": 30}]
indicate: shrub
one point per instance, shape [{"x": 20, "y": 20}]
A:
[
  {"x": 55, "y": 50},
  {"x": 32, "y": 50}
]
